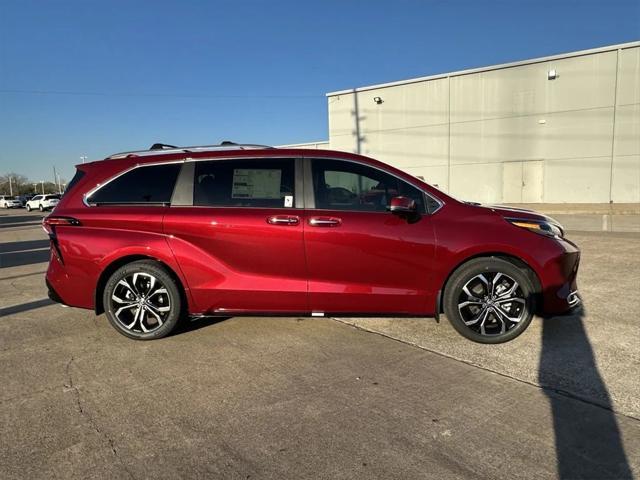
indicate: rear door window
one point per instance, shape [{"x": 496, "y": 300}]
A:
[
  {"x": 151, "y": 184},
  {"x": 265, "y": 183}
]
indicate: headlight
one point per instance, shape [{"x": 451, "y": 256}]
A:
[{"x": 537, "y": 226}]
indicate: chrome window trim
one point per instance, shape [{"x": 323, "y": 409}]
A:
[
  {"x": 306, "y": 161},
  {"x": 424, "y": 192},
  {"x": 183, "y": 189},
  {"x": 86, "y": 196}
]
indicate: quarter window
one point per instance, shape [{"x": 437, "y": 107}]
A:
[
  {"x": 143, "y": 185},
  {"x": 342, "y": 185},
  {"x": 245, "y": 183}
]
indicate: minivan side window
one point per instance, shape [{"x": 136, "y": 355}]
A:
[
  {"x": 264, "y": 183},
  {"x": 340, "y": 185},
  {"x": 151, "y": 184}
]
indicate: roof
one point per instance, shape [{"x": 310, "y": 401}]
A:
[{"x": 578, "y": 53}]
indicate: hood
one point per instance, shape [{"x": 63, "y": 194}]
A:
[{"x": 512, "y": 212}]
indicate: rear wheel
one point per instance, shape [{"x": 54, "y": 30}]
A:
[
  {"x": 142, "y": 301},
  {"x": 489, "y": 300},
  {"x": 40, "y": 208}
]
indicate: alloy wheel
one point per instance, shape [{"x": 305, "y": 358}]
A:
[
  {"x": 491, "y": 303},
  {"x": 140, "y": 302}
]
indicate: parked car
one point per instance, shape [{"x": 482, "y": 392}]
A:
[
  {"x": 43, "y": 202},
  {"x": 150, "y": 237},
  {"x": 22, "y": 199},
  {"x": 8, "y": 201}
]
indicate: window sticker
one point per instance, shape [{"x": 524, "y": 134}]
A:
[
  {"x": 258, "y": 183},
  {"x": 288, "y": 200}
]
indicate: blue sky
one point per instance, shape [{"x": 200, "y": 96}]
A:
[{"x": 93, "y": 77}]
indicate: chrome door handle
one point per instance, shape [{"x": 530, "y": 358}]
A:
[
  {"x": 283, "y": 220},
  {"x": 324, "y": 221}
]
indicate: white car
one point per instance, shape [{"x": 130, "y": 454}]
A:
[
  {"x": 7, "y": 201},
  {"x": 43, "y": 202}
]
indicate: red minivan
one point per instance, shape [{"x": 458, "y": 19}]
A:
[{"x": 153, "y": 236}]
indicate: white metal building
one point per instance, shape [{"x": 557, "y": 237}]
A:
[{"x": 560, "y": 129}]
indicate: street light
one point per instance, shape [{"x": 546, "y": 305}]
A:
[{"x": 83, "y": 158}]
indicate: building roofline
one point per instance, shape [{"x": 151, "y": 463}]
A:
[
  {"x": 457, "y": 73},
  {"x": 293, "y": 145}
]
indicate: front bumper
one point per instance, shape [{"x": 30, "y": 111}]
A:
[
  {"x": 559, "y": 281},
  {"x": 574, "y": 299}
]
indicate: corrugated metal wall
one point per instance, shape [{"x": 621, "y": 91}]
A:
[{"x": 509, "y": 134}]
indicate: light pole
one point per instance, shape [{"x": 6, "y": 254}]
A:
[
  {"x": 56, "y": 179},
  {"x": 83, "y": 158},
  {"x": 42, "y": 183},
  {"x": 10, "y": 187}
]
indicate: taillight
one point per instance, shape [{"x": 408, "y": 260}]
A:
[{"x": 50, "y": 222}]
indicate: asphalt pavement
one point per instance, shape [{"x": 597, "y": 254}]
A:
[{"x": 318, "y": 398}]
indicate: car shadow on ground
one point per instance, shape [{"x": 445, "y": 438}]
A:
[
  {"x": 190, "y": 324},
  {"x": 25, "y": 307},
  {"x": 8, "y": 221},
  {"x": 587, "y": 438},
  {"x": 16, "y": 254}
]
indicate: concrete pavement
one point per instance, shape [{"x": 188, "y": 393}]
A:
[{"x": 314, "y": 398}]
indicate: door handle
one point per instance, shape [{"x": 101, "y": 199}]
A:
[
  {"x": 325, "y": 222},
  {"x": 283, "y": 220}
]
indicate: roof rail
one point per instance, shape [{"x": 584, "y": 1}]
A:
[{"x": 162, "y": 148}]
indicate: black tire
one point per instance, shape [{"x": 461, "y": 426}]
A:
[
  {"x": 40, "y": 208},
  {"x": 28, "y": 208},
  {"x": 158, "y": 323},
  {"x": 491, "y": 312}
]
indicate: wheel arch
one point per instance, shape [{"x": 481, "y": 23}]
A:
[
  {"x": 516, "y": 261},
  {"x": 119, "y": 262}
]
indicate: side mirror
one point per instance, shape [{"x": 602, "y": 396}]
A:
[{"x": 402, "y": 205}]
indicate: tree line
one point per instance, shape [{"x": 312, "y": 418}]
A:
[{"x": 17, "y": 184}]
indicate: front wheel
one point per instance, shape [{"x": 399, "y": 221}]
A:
[
  {"x": 489, "y": 300},
  {"x": 28, "y": 208},
  {"x": 142, "y": 301}
]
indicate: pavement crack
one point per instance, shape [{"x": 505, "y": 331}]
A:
[
  {"x": 89, "y": 418},
  {"x": 546, "y": 388}
]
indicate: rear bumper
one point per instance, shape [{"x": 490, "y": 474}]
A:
[
  {"x": 52, "y": 294},
  {"x": 69, "y": 284}
]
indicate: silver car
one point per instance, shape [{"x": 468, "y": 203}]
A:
[{"x": 7, "y": 201}]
